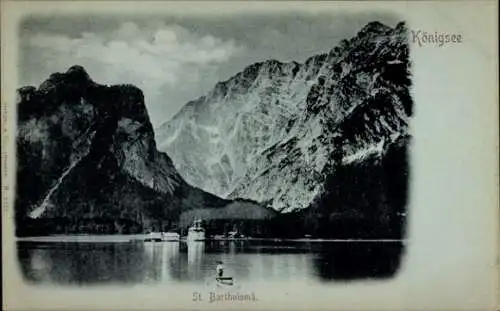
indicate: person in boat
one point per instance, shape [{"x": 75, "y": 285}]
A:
[{"x": 220, "y": 269}]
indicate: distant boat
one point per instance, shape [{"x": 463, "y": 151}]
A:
[
  {"x": 219, "y": 237},
  {"x": 162, "y": 236},
  {"x": 235, "y": 235},
  {"x": 171, "y": 236},
  {"x": 154, "y": 237},
  {"x": 196, "y": 232}
]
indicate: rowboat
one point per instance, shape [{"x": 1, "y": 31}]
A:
[{"x": 224, "y": 280}]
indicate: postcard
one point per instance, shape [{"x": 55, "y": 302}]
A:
[{"x": 250, "y": 155}]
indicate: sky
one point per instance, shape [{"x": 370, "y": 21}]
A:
[{"x": 175, "y": 59}]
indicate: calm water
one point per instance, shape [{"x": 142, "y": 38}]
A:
[{"x": 172, "y": 262}]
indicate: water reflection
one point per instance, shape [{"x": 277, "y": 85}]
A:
[
  {"x": 171, "y": 262},
  {"x": 162, "y": 260},
  {"x": 352, "y": 261},
  {"x": 195, "y": 251},
  {"x": 82, "y": 263}
]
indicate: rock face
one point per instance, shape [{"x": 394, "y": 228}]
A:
[
  {"x": 276, "y": 132},
  {"x": 87, "y": 161}
]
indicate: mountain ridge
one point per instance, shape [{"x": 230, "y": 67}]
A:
[
  {"x": 358, "y": 90},
  {"x": 372, "y": 27}
]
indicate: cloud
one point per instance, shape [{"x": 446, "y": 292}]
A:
[
  {"x": 153, "y": 58},
  {"x": 164, "y": 52}
]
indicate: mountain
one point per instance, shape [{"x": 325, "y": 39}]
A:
[
  {"x": 88, "y": 162},
  {"x": 280, "y": 133}
]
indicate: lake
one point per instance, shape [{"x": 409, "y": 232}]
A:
[{"x": 124, "y": 262}]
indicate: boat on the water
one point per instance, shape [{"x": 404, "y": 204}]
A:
[
  {"x": 196, "y": 232},
  {"x": 235, "y": 235},
  {"x": 170, "y": 236},
  {"x": 153, "y": 237},
  {"x": 225, "y": 281}
]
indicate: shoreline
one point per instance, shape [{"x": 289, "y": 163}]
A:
[{"x": 138, "y": 238}]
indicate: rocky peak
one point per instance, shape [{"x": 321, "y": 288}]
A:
[
  {"x": 375, "y": 27},
  {"x": 78, "y": 74},
  {"x": 75, "y": 78},
  {"x": 79, "y": 123},
  {"x": 266, "y": 134}
]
